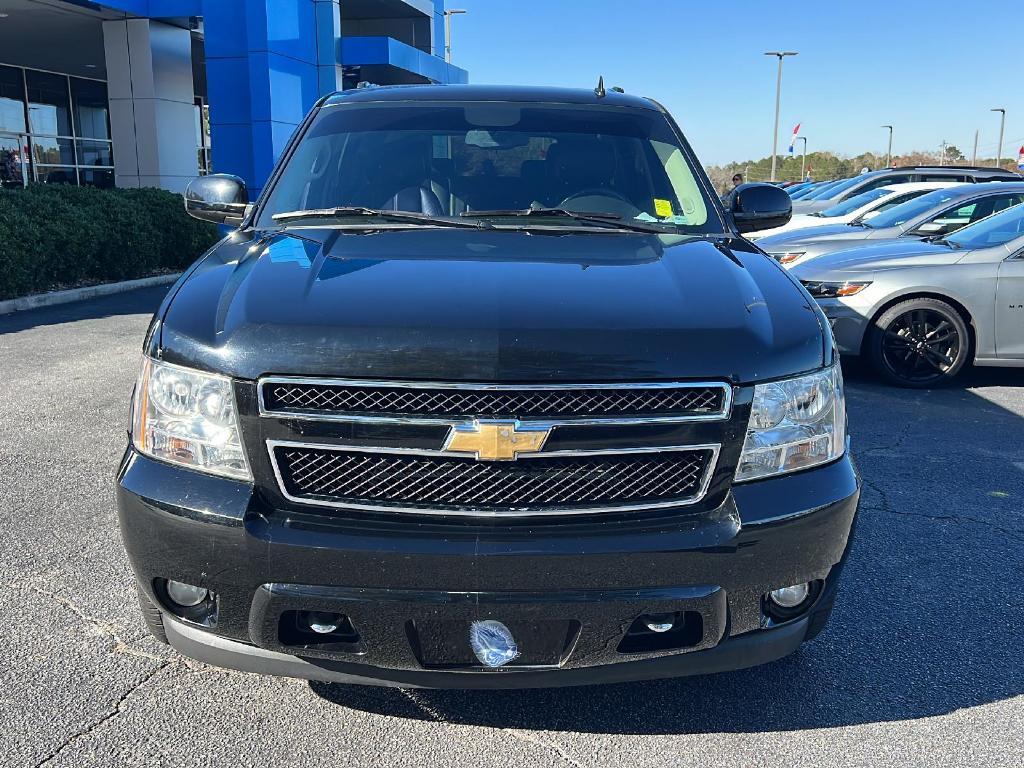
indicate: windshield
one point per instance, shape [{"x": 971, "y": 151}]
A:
[
  {"x": 488, "y": 158},
  {"x": 857, "y": 201},
  {"x": 821, "y": 189},
  {"x": 837, "y": 189},
  {"x": 904, "y": 212},
  {"x": 995, "y": 230}
]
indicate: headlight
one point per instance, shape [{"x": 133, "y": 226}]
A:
[
  {"x": 187, "y": 417},
  {"x": 788, "y": 258},
  {"x": 794, "y": 424},
  {"x": 822, "y": 290}
]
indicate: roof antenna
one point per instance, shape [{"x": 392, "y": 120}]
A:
[{"x": 600, "y": 87}]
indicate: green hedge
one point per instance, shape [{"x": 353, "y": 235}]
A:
[{"x": 60, "y": 236}]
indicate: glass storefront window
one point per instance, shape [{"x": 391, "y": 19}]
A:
[
  {"x": 96, "y": 177},
  {"x": 66, "y": 138},
  {"x": 49, "y": 109},
  {"x": 12, "y": 100},
  {"x": 48, "y": 150},
  {"x": 90, "y": 101},
  {"x": 49, "y": 175},
  {"x": 94, "y": 153}
]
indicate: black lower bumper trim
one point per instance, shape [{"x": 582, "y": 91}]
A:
[{"x": 747, "y": 650}]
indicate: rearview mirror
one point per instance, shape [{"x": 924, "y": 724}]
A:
[
  {"x": 759, "y": 206},
  {"x": 219, "y": 197}
]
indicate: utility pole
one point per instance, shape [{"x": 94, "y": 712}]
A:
[
  {"x": 1002, "y": 124},
  {"x": 974, "y": 153},
  {"x": 448, "y": 32},
  {"x": 803, "y": 157},
  {"x": 888, "y": 152},
  {"x": 942, "y": 157},
  {"x": 778, "y": 97}
]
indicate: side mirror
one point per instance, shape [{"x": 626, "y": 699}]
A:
[
  {"x": 759, "y": 206},
  {"x": 219, "y": 197}
]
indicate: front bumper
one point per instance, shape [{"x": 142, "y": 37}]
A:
[
  {"x": 850, "y": 320},
  {"x": 592, "y": 579}
]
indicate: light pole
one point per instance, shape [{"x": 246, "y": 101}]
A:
[
  {"x": 778, "y": 96},
  {"x": 888, "y": 152},
  {"x": 448, "y": 32},
  {"x": 803, "y": 156},
  {"x": 974, "y": 153},
  {"x": 1002, "y": 124}
]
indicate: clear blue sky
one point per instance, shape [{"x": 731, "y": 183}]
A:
[{"x": 932, "y": 68}]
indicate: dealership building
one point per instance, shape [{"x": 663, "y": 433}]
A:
[{"x": 151, "y": 93}]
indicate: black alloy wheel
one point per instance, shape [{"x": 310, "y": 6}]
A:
[{"x": 919, "y": 343}]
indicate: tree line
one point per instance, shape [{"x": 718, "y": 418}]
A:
[{"x": 828, "y": 165}]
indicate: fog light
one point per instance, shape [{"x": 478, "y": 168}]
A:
[
  {"x": 660, "y": 622},
  {"x": 323, "y": 623},
  {"x": 186, "y": 595},
  {"x": 790, "y": 597}
]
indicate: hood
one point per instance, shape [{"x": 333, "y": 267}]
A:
[
  {"x": 471, "y": 305},
  {"x": 875, "y": 257},
  {"x": 814, "y": 234},
  {"x": 799, "y": 221},
  {"x": 810, "y": 206}
]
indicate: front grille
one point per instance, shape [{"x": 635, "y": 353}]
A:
[
  {"x": 439, "y": 483},
  {"x": 483, "y": 402}
]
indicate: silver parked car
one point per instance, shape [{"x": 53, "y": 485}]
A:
[
  {"x": 920, "y": 310},
  {"x": 935, "y": 214}
]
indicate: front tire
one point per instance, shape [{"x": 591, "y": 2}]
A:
[{"x": 919, "y": 343}]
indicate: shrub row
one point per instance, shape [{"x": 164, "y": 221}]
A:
[{"x": 59, "y": 236}]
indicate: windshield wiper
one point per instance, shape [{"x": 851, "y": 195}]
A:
[
  {"x": 601, "y": 218},
  {"x": 409, "y": 217}
]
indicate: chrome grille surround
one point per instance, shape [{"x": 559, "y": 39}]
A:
[
  {"x": 589, "y": 469},
  {"x": 450, "y": 403}
]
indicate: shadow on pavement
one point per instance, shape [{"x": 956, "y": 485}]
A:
[
  {"x": 930, "y": 616},
  {"x": 138, "y": 302}
]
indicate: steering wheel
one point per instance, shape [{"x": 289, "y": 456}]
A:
[{"x": 607, "y": 194}]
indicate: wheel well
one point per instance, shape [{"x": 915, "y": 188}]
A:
[{"x": 960, "y": 308}]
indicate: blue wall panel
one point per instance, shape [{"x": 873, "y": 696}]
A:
[{"x": 267, "y": 61}]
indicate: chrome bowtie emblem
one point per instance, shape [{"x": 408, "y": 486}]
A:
[
  {"x": 492, "y": 643},
  {"x": 496, "y": 440}
]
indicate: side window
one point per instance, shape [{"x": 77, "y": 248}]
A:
[
  {"x": 940, "y": 177},
  {"x": 948, "y": 221},
  {"x": 884, "y": 181}
]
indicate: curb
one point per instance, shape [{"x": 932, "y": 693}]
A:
[{"x": 78, "y": 294}]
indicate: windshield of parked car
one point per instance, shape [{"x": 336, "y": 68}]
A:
[
  {"x": 822, "y": 189},
  {"x": 852, "y": 204},
  {"x": 997, "y": 229},
  {"x": 904, "y": 212},
  {"x": 492, "y": 160},
  {"x": 837, "y": 189}
]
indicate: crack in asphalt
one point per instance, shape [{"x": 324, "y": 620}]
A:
[
  {"x": 115, "y": 711},
  {"x": 959, "y": 519},
  {"x": 120, "y": 645},
  {"x": 435, "y": 716}
]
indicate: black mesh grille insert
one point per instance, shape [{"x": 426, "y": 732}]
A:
[
  {"x": 447, "y": 483},
  {"x": 299, "y": 397}
]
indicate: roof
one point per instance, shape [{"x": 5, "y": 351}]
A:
[{"x": 524, "y": 93}]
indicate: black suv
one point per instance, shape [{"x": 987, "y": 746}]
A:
[
  {"x": 865, "y": 182},
  {"x": 487, "y": 390}
]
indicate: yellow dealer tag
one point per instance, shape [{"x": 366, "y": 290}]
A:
[{"x": 662, "y": 207}]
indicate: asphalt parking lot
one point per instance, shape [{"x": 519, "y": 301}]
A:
[{"x": 920, "y": 666}]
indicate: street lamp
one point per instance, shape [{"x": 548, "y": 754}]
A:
[
  {"x": 803, "y": 156},
  {"x": 1002, "y": 124},
  {"x": 888, "y": 153},
  {"x": 448, "y": 32},
  {"x": 778, "y": 95}
]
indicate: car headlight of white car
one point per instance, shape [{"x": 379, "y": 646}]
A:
[
  {"x": 188, "y": 417},
  {"x": 794, "y": 424}
]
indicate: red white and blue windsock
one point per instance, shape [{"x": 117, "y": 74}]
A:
[
  {"x": 1020, "y": 159},
  {"x": 792, "y": 141}
]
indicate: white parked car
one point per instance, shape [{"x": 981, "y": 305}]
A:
[{"x": 859, "y": 207}]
